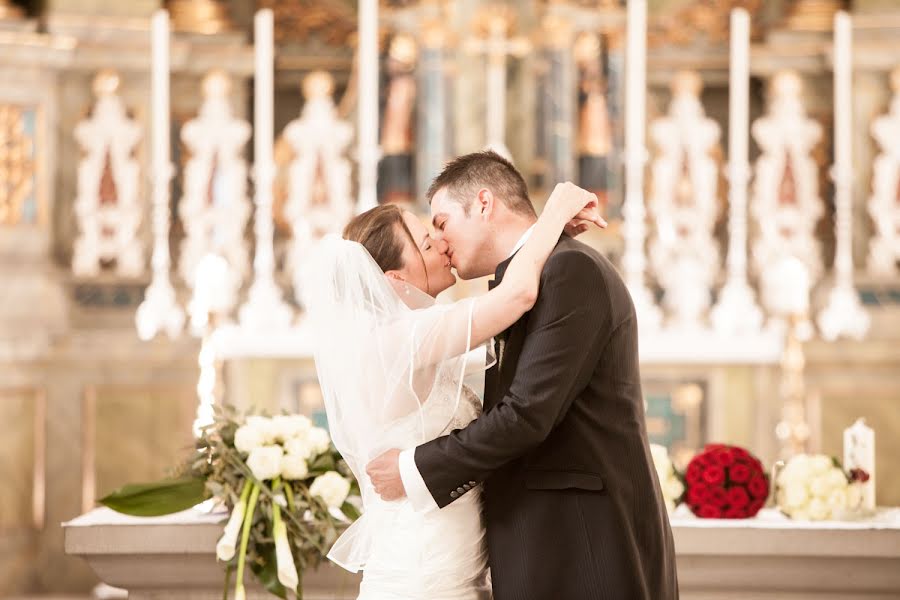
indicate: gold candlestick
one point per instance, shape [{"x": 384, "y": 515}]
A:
[
  {"x": 9, "y": 11},
  {"x": 812, "y": 15},
  {"x": 199, "y": 16},
  {"x": 793, "y": 431}
]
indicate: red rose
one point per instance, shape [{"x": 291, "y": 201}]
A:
[
  {"x": 735, "y": 513},
  {"x": 714, "y": 447},
  {"x": 718, "y": 497},
  {"x": 755, "y": 507},
  {"x": 724, "y": 457},
  {"x": 758, "y": 487},
  {"x": 738, "y": 497},
  {"x": 739, "y": 473},
  {"x": 694, "y": 474},
  {"x": 713, "y": 475},
  {"x": 709, "y": 512},
  {"x": 740, "y": 453},
  {"x": 698, "y": 494}
]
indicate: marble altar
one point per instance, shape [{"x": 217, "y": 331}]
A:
[{"x": 766, "y": 558}]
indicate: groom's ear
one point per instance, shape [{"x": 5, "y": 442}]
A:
[{"x": 484, "y": 202}]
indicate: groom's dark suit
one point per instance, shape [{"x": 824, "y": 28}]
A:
[{"x": 572, "y": 504}]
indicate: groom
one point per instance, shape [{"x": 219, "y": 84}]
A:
[{"x": 572, "y": 504}]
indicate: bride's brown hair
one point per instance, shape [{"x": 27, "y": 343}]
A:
[{"x": 379, "y": 230}]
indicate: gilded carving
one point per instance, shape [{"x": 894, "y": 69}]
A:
[{"x": 17, "y": 166}]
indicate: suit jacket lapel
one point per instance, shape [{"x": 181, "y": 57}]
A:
[{"x": 491, "y": 379}]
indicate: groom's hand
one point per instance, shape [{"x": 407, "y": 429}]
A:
[{"x": 384, "y": 472}]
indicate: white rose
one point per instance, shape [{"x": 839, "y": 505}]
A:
[
  {"x": 319, "y": 440},
  {"x": 287, "y": 427},
  {"x": 331, "y": 487},
  {"x": 800, "y": 515},
  {"x": 661, "y": 460},
  {"x": 673, "y": 488},
  {"x": 820, "y": 486},
  {"x": 795, "y": 495},
  {"x": 836, "y": 479},
  {"x": 264, "y": 424},
  {"x": 299, "y": 447},
  {"x": 265, "y": 462},
  {"x": 798, "y": 468},
  {"x": 293, "y": 467},
  {"x": 837, "y": 499},
  {"x": 818, "y": 510},
  {"x": 249, "y": 437},
  {"x": 820, "y": 463}
]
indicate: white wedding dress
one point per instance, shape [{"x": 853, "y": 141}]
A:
[
  {"x": 435, "y": 555},
  {"x": 391, "y": 365}
]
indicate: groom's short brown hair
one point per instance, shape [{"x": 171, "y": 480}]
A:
[{"x": 465, "y": 174}]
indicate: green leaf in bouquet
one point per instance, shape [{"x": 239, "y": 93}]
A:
[
  {"x": 160, "y": 498},
  {"x": 266, "y": 570},
  {"x": 351, "y": 511},
  {"x": 322, "y": 464}
]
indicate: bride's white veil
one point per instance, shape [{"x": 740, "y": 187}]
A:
[{"x": 383, "y": 350}]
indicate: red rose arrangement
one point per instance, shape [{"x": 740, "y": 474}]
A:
[{"x": 725, "y": 482}]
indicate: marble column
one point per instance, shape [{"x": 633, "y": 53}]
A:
[{"x": 434, "y": 122}]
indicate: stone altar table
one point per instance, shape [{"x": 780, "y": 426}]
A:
[
  {"x": 173, "y": 557},
  {"x": 766, "y": 558},
  {"x": 771, "y": 557}
]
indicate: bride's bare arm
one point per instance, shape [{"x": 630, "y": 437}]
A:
[
  {"x": 517, "y": 292},
  {"x": 569, "y": 207}
]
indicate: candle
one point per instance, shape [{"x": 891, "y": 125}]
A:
[
  {"x": 367, "y": 135},
  {"x": 263, "y": 97},
  {"x": 635, "y": 92},
  {"x": 634, "y": 230},
  {"x": 859, "y": 453},
  {"x": 160, "y": 92},
  {"x": 843, "y": 110},
  {"x": 738, "y": 91}
]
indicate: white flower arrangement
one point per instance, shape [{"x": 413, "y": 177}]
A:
[
  {"x": 669, "y": 480},
  {"x": 815, "y": 488},
  {"x": 283, "y": 478}
]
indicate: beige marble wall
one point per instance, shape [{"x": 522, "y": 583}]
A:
[
  {"x": 17, "y": 446},
  {"x": 140, "y": 433}
]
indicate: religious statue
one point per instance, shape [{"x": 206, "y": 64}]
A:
[
  {"x": 214, "y": 207},
  {"x": 594, "y": 128},
  {"x": 395, "y": 169},
  {"x": 684, "y": 203},
  {"x": 785, "y": 199},
  {"x": 319, "y": 199},
  {"x": 108, "y": 208},
  {"x": 884, "y": 203}
]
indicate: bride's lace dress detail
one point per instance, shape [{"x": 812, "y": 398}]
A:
[{"x": 435, "y": 555}]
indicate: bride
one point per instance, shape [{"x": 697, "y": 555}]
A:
[{"x": 391, "y": 364}]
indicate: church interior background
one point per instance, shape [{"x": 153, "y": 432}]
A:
[{"x": 761, "y": 247}]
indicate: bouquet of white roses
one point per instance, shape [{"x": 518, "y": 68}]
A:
[
  {"x": 669, "y": 479},
  {"x": 289, "y": 491},
  {"x": 816, "y": 488}
]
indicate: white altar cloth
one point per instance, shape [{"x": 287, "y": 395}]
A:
[{"x": 766, "y": 558}]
